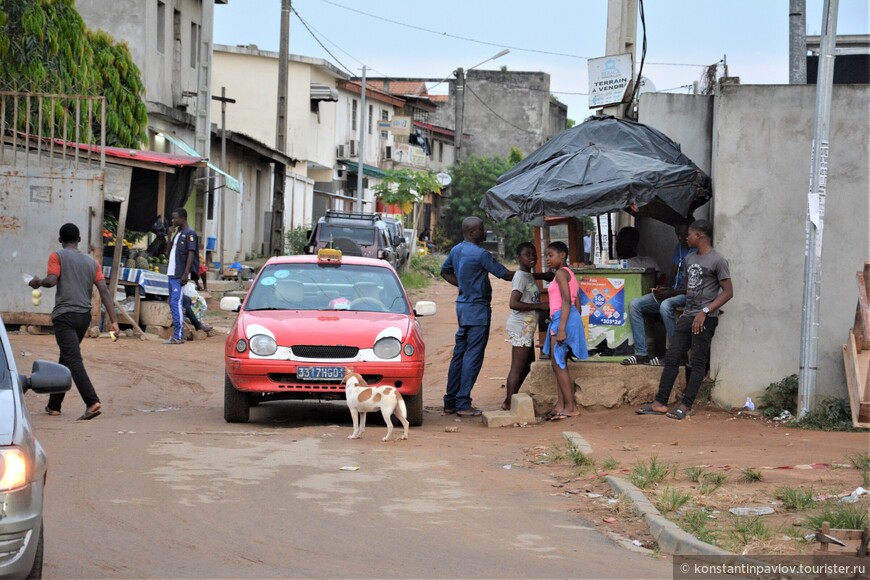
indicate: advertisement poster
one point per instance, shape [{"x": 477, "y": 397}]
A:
[{"x": 606, "y": 300}]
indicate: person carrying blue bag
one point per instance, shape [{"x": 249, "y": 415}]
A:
[{"x": 565, "y": 336}]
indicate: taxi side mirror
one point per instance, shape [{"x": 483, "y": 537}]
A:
[
  {"x": 231, "y": 303},
  {"x": 425, "y": 308}
]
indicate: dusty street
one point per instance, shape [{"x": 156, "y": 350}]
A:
[{"x": 161, "y": 486}]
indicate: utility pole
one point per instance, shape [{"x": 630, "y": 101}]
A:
[
  {"x": 621, "y": 39},
  {"x": 363, "y": 115},
  {"x": 797, "y": 42},
  {"x": 816, "y": 211},
  {"x": 223, "y": 101},
  {"x": 276, "y": 239},
  {"x": 459, "y": 111}
]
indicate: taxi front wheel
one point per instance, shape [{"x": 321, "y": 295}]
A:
[
  {"x": 237, "y": 407},
  {"x": 414, "y": 404}
]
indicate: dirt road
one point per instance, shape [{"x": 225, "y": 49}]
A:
[{"x": 161, "y": 486}]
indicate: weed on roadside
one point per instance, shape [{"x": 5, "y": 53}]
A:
[
  {"x": 748, "y": 530},
  {"x": 861, "y": 462},
  {"x": 579, "y": 459},
  {"x": 694, "y": 473},
  {"x": 610, "y": 464},
  {"x": 712, "y": 481},
  {"x": 556, "y": 455},
  {"x": 672, "y": 499},
  {"x": 749, "y": 475},
  {"x": 829, "y": 414},
  {"x": 779, "y": 397},
  {"x": 841, "y": 517},
  {"x": 695, "y": 522},
  {"x": 645, "y": 474},
  {"x": 795, "y": 499},
  {"x": 622, "y": 505}
]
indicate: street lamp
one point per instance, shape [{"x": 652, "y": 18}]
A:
[{"x": 460, "y": 101}]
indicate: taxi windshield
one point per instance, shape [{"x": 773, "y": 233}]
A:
[{"x": 314, "y": 287}]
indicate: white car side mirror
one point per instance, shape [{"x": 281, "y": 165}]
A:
[
  {"x": 231, "y": 303},
  {"x": 425, "y": 308}
]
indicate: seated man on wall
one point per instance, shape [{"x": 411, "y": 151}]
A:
[
  {"x": 627, "y": 240},
  {"x": 663, "y": 300}
]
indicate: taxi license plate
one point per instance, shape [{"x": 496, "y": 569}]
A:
[{"x": 319, "y": 373}]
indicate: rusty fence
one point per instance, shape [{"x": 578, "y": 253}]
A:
[{"x": 67, "y": 127}]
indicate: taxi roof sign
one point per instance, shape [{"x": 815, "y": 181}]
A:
[{"x": 329, "y": 256}]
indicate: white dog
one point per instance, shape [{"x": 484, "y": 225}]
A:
[{"x": 362, "y": 398}]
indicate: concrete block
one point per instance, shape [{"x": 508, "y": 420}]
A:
[
  {"x": 522, "y": 411},
  {"x": 161, "y": 331},
  {"x": 577, "y": 441},
  {"x": 223, "y": 285},
  {"x": 599, "y": 393},
  {"x": 154, "y": 312}
]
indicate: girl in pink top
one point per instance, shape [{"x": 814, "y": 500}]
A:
[{"x": 565, "y": 337}]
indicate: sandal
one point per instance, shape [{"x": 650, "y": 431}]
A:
[
  {"x": 90, "y": 414},
  {"x": 679, "y": 413},
  {"x": 636, "y": 360},
  {"x": 648, "y": 410},
  {"x": 558, "y": 417},
  {"x": 656, "y": 362},
  {"x": 470, "y": 412},
  {"x": 51, "y": 412}
]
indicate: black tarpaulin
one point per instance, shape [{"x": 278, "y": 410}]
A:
[{"x": 603, "y": 165}]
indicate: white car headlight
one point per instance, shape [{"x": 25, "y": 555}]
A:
[
  {"x": 387, "y": 348},
  {"x": 13, "y": 469},
  {"x": 262, "y": 345}
]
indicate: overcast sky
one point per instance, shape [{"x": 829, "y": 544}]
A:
[{"x": 405, "y": 38}]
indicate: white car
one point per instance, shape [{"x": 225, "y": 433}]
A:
[{"x": 22, "y": 463}]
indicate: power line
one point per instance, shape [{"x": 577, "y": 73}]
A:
[
  {"x": 456, "y": 36},
  {"x": 314, "y": 36},
  {"x": 491, "y": 110}
]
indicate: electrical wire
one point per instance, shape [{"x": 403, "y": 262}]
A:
[
  {"x": 491, "y": 110},
  {"x": 636, "y": 91},
  {"x": 314, "y": 36},
  {"x": 447, "y": 34}
]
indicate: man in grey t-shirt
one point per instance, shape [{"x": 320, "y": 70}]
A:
[{"x": 708, "y": 287}]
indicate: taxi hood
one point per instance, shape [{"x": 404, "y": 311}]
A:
[{"x": 323, "y": 327}]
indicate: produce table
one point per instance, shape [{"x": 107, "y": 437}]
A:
[{"x": 150, "y": 282}]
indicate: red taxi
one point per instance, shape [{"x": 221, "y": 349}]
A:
[{"x": 307, "y": 319}]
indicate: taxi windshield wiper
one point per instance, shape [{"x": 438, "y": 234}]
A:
[{"x": 265, "y": 308}]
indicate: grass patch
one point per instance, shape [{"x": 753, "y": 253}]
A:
[
  {"x": 841, "y": 517},
  {"x": 779, "y": 397},
  {"x": 420, "y": 271},
  {"x": 622, "y": 505},
  {"x": 578, "y": 458},
  {"x": 860, "y": 461},
  {"x": 747, "y": 530},
  {"x": 672, "y": 499},
  {"x": 749, "y": 475},
  {"x": 694, "y": 473},
  {"x": 795, "y": 499},
  {"x": 645, "y": 474},
  {"x": 712, "y": 481},
  {"x": 556, "y": 455},
  {"x": 830, "y": 414},
  {"x": 610, "y": 464},
  {"x": 695, "y": 522},
  {"x": 412, "y": 280}
]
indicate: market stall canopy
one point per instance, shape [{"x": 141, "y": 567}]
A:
[{"x": 604, "y": 164}]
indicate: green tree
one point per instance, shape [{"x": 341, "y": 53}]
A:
[
  {"x": 45, "y": 47},
  {"x": 472, "y": 177},
  {"x": 407, "y": 188}
]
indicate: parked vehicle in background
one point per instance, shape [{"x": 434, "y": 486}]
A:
[
  {"x": 493, "y": 244},
  {"x": 400, "y": 242},
  {"x": 356, "y": 234},
  {"x": 22, "y": 463},
  {"x": 308, "y": 320}
]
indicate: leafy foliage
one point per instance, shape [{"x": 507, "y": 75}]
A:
[
  {"x": 779, "y": 397},
  {"x": 405, "y": 187},
  {"x": 295, "y": 240},
  {"x": 472, "y": 177},
  {"x": 45, "y": 47}
]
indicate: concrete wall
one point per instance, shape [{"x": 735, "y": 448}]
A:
[
  {"x": 688, "y": 120},
  {"x": 760, "y": 162}
]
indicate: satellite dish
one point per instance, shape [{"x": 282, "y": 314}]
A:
[
  {"x": 444, "y": 179},
  {"x": 646, "y": 85}
]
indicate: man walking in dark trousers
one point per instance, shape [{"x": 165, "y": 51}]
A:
[
  {"x": 182, "y": 261},
  {"x": 75, "y": 274},
  {"x": 708, "y": 288},
  {"x": 468, "y": 267}
]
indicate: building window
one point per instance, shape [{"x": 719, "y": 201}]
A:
[
  {"x": 441, "y": 151},
  {"x": 385, "y": 116},
  {"x": 353, "y": 116},
  {"x": 421, "y": 115},
  {"x": 370, "y": 117},
  {"x": 194, "y": 44},
  {"x": 161, "y": 27}
]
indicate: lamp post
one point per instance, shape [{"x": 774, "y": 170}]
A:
[{"x": 460, "y": 101}]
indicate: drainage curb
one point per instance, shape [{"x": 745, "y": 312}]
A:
[
  {"x": 577, "y": 441},
  {"x": 670, "y": 537}
]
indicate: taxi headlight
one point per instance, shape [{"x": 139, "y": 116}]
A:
[
  {"x": 387, "y": 348},
  {"x": 262, "y": 345},
  {"x": 13, "y": 469}
]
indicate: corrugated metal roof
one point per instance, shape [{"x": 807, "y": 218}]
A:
[{"x": 321, "y": 92}]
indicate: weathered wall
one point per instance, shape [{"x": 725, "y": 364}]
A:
[
  {"x": 761, "y": 143},
  {"x": 688, "y": 120}
]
